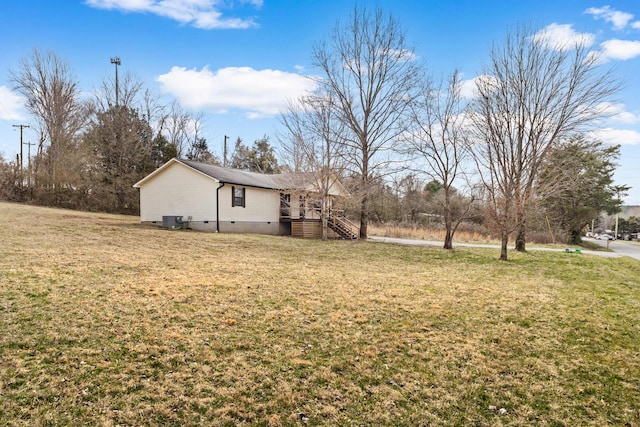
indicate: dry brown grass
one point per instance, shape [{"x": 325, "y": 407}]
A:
[
  {"x": 467, "y": 233},
  {"x": 428, "y": 233},
  {"x": 106, "y": 322}
]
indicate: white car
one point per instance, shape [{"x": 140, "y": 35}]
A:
[{"x": 604, "y": 237}]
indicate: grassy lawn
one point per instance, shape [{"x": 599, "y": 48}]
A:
[{"x": 106, "y": 322}]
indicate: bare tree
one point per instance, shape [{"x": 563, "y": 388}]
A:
[
  {"x": 371, "y": 74},
  {"x": 532, "y": 94},
  {"x": 53, "y": 99},
  {"x": 438, "y": 138},
  {"x": 129, "y": 89},
  {"x": 312, "y": 143},
  {"x": 152, "y": 110},
  {"x": 177, "y": 132},
  {"x": 411, "y": 197},
  {"x": 180, "y": 127}
]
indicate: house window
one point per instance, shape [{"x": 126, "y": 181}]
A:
[
  {"x": 237, "y": 196},
  {"x": 285, "y": 205}
]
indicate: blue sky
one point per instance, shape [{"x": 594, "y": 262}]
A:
[{"x": 237, "y": 61}]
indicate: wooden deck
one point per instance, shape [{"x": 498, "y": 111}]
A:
[
  {"x": 305, "y": 219},
  {"x": 339, "y": 228},
  {"x": 307, "y": 229}
]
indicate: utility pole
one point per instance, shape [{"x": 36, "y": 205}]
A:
[
  {"x": 29, "y": 144},
  {"x": 224, "y": 161},
  {"x": 116, "y": 61},
  {"x": 21, "y": 128}
]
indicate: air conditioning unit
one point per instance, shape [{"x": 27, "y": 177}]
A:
[{"x": 172, "y": 222}]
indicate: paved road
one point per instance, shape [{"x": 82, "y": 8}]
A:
[{"x": 620, "y": 248}]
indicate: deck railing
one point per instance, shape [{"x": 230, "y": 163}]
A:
[
  {"x": 339, "y": 223},
  {"x": 295, "y": 213}
]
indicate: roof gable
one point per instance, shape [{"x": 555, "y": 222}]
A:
[{"x": 163, "y": 168}]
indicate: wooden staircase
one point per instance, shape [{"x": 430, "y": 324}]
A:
[{"x": 343, "y": 227}]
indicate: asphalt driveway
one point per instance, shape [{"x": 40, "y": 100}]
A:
[{"x": 621, "y": 247}]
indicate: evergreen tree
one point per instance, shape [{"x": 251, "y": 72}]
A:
[
  {"x": 121, "y": 141},
  {"x": 163, "y": 150},
  {"x": 259, "y": 158},
  {"x": 576, "y": 184},
  {"x": 199, "y": 152}
]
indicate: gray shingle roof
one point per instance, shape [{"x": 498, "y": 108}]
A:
[{"x": 281, "y": 181}]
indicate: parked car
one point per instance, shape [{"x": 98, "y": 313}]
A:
[{"x": 605, "y": 237}]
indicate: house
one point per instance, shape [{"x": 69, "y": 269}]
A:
[{"x": 201, "y": 196}]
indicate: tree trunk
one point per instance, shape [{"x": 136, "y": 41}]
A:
[
  {"x": 364, "y": 216},
  {"x": 325, "y": 227},
  {"x": 448, "y": 237},
  {"x": 521, "y": 237},
  {"x": 505, "y": 242},
  {"x": 364, "y": 206},
  {"x": 574, "y": 237},
  {"x": 521, "y": 220}
]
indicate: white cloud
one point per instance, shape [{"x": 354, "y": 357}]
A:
[
  {"x": 203, "y": 14},
  {"x": 260, "y": 93},
  {"x": 617, "y": 136},
  {"x": 619, "y": 49},
  {"x": 11, "y": 104},
  {"x": 617, "y": 18},
  {"x": 402, "y": 55},
  {"x": 618, "y": 113},
  {"x": 468, "y": 89},
  {"x": 562, "y": 37}
]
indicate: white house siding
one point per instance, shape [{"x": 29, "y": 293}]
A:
[
  {"x": 179, "y": 190},
  {"x": 261, "y": 213},
  {"x": 190, "y": 189}
]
